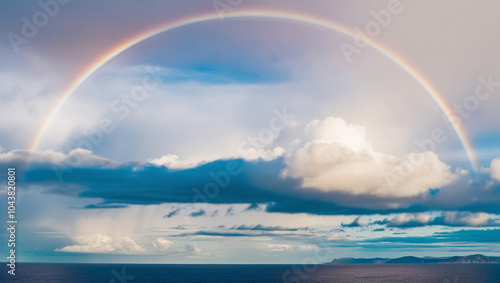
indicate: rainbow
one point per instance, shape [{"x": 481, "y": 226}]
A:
[{"x": 113, "y": 52}]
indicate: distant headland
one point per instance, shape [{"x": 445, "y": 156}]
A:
[{"x": 478, "y": 258}]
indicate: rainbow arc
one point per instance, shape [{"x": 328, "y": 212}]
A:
[{"x": 119, "y": 48}]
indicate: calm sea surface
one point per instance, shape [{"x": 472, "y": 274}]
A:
[{"x": 121, "y": 273}]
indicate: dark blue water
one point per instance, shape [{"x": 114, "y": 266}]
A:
[{"x": 121, "y": 273}]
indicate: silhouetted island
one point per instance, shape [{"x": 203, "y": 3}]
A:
[{"x": 478, "y": 258}]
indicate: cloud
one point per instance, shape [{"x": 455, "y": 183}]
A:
[
  {"x": 464, "y": 218},
  {"x": 166, "y": 247},
  {"x": 257, "y": 182},
  {"x": 218, "y": 234},
  {"x": 99, "y": 243},
  {"x": 101, "y": 206},
  {"x": 221, "y": 181},
  {"x": 289, "y": 247},
  {"x": 230, "y": 211},
  {"x": 355, "y": 223},
  {"x": 338, "y": 158},
  {"x": 172, "y": 161},
  {"x": 251, "y": 231},
  {"x": 161, "y": 244},
  {"x": 260, "y": 227},
  {"x": 229, "y": 234},
  {"x": 447, "y": 218},
  {"x": 130, "y": 246},
  {"x": 193, "y": 249},
  {"x": 461, "y": 236},
  {"x": 410, "y": 220},
  {"x": 198, "y": 213},
  {"x": 469, "y": 240},
  {"x": 77, "y": 158},
  {"x": 495, "y": 169},
  {"x": 335, "y": 172},
  {"x": 104, "y": 244},
  {"x": 254, "y": 207},
  {"x": 172, "y": 213},
  {"x": 253, "y": 154},
  {"x": 334, "y": 129}
]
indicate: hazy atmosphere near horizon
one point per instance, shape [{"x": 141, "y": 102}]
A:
[{"x": 248, "y": 132}]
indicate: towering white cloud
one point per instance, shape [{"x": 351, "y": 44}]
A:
[
  {"x": 339, "y": 158},
  {"x": 495, "y": 169}
]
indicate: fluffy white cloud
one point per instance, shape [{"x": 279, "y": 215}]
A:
[
  {"x": 252, "y": 153},
  {"x": 162, "y": 244},
  {"x": 448, "y": 218},
  {"x": 401, "y": 219},
  {"x": 339, "y": 158},
  {"x": 105, "y": 244},
  {"x": 495, "y": 169},
  {"x": 99, "y": 243},
  {"x": 129, "y": 246},
  {"x": 337, "y": 130},
  {"x": 172, "y": 161},
  {"x": 467, "y": 218}
]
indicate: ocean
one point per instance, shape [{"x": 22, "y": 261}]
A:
[{"x": 121, "y": 273}]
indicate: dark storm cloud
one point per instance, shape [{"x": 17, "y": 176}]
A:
[
  {"x": 99, "y": 206},
  {"x": 227, "y": 182},
  {"x": 260, "y": 227},
  {"x": 218, "y": 182}
]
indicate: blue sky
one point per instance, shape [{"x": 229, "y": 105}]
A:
[{"x": 255, "y": 140}]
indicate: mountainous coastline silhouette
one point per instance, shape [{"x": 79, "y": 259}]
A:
[{"x": 477, "y": 258}]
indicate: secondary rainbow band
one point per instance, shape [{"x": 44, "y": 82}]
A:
[{"x": 283, "y": 15}]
